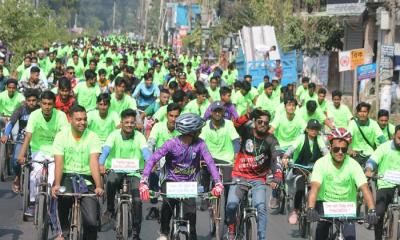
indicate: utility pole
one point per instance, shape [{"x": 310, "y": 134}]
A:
[
  {"x": 146, "y": 11},
  {"x": 113, "y": 18}
]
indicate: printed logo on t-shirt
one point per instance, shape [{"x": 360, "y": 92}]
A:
[{"x": 249, "y": 146}]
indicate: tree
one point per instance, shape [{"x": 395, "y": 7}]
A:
[{"x": 23, "y": 28}]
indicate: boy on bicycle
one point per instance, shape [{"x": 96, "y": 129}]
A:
[{"x": 182, "y": 164}]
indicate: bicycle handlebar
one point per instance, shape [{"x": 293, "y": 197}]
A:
[
  {"x": 140, "y": 171},
  {"x": 77, "y": 194}
]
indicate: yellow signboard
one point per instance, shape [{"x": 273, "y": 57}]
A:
[{"x": 357, "y": 58}]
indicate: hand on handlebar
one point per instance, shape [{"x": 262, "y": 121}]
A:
[
  {"x": 21, "y": 160},
  {"x": 54, "y": 191},
  {"x": 4, "y": 139},
  {"x": 102, "y": 169},
  {"x": 276, "y": 182},
  {"x": 217, "y": 190},
  {"x": 285, "y": 160},
  {"x": 99, "y": 191},
  {"x": 144, "y": 192},
  {"x": 372, "y": 218},
  {"x": 312, "y": 215}
]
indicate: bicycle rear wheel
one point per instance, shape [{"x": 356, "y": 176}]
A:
[
  {"x": 3, "y": 158},
  {"x": 180, "y": 236},
  {"x": 25, "y": 191},
  {"x": 42, "y": 226},
  {"x": 251, "y": 228},
  {"x": 312, "y": 230}
]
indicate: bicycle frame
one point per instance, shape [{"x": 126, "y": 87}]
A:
[
  {"x": 338, "y": 225},
  {"x": 43, "y": 188}
]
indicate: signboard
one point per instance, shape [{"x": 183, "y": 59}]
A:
[
  {"x": 344, "y": 61},
  {"x": 349, "y": 60},
  {"x": 386, "y": 74},
  {"x": 387, "y": 50},
  {"x": 340, "y": 209},
  {"x": 181, "y": 189},
  {"x": 366, "y": 71},
  {"x": 124, "y": 165}
]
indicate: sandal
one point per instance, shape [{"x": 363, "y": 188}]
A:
[{"x": 15, "y": 187}]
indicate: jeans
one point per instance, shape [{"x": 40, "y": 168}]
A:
[
  {"x": 322, "y": 231},
  {"x": 16, "y": 165},
  {"x": 258, "y": 193},
  {"x": 295, "y": 183},
  {"x": 114, "y": 183},
  {"x": 384, "y": 197}
]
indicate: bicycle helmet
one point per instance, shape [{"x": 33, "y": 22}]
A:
[
  {"x": 340, "y": 133},
  {"x": 189, "y": 123}
]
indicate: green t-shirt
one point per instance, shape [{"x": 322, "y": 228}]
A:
[
  {"x": 299, "y": 143},
  {"x": 102, "y": 127},
  {"x": 388, "y": 130},
  {"x": 158, "y": 78},
  {"x": 161, "y": 114},
  {"x": 242, "y": 102},
  {"x": 267, "y": 103},
  {"x": 161, "y": 134},
  {"x": 191, "y": 78},
  {"x": 126, "y": 149},
  {"x": 372, "y": 132},
  {"x": 341, "y": 116},
  {"x": 76, "y": 153},
  {"x": 120, "y": 105},
  {"x": 287, "y": 131},
  {"x": 387, "y": 157},
  {"x": 323, "y": 106},
  {"x": 214, "y": 94},
  {"x": 317, "y": 115},
  {"x": 219, "y": 141},
  {"x": 194, "y": 107},
  {"x": 86, "y": 96},
  {"x": 338, "y": 185},
  {"x": 305, "y": 97},
  {"x": 8, "y": 105},
  {"x": 43, "y": 132},
  {"x": 277, "y": 93},
  {"x": 300, "y": 90}
]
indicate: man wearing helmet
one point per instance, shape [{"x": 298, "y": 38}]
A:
[
  {"x": 182, "y": 164},
  {"x": 335, "y": 178},
  {"x": 386, "y": 157}
]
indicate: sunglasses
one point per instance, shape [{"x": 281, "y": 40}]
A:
[
  {"x": 71, "y": 72},
  {"x": 261, "y": 122},
  {"x": 337, "y": 149}
]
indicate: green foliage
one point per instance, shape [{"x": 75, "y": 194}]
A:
[{"x": 23, "y": 28}]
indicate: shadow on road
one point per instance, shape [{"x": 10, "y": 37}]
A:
[
  {"x": 13, "y": 234},
  {"x": 7, "y": 194}
]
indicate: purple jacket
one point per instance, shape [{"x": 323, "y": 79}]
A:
[
  {"x": 230, "y": 112},
  {"x": 182, "y": 162}
]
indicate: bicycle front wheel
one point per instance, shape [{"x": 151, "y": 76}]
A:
[
  {"x": 25, "y": 191},
  {"x": 394, "y": 225},
  {"x": 181, "y": 236},
  {"x": 42, "y": 226},
  {"x": 251, "y": 228},
  {"x": 3, "y": 158},
  {"x": 125, "y": 221}
]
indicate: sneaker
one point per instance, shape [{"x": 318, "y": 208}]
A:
[
  {"x": 231, "y": 235},
  {"x": 273, "y": 203},
  {"x": 293, "y": 217},
  {"x": 30, "y": 211},
  {"x": 162, "y": 237}
]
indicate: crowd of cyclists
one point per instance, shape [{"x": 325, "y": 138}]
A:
[{"x": 86, "y": 103}]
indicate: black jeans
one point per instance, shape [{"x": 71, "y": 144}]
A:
[
  {"x": 167, "y": 210},
  {"x": 114, "y": 184},
  {"x": 384, "y": 197},
  {"x": 89, "y": 207},
  {"x": 349, "y": 229}
]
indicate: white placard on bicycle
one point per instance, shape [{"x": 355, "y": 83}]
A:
[
  {"x": 392, "y": 176},
  {"x": 124, "y": 165},
  {"x": 181, "y": 189},
  {"x": 340, "y": 209}
]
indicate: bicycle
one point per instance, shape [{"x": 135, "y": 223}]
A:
[
  {"x": 180, "y": 226},
  {"x": 305, "y": 172},
  {"x": 217, "y": 209},
  {"x": 24, "y": 185},
  {"x": 246, "y": 224},
  {"x": 336, "y": 228},
  {"x": 75, "y": 232},
  {"x": 5, "y": 159},
  {"x": 41, "y": 218},
  {"x": 123, "y": 225}
]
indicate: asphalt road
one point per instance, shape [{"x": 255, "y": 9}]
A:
[{"x": 12, "y": 227}]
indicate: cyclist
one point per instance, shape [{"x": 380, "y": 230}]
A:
[
  {"x": 322, "y": 103},
  {"x": 213, "y": 89},
  {"x": 312, "y": 111},
  {"x": 182, "y": 163},
  {"x": 76, "y": 152},
  {"x": 383, "y": 121},
  {"x": 10, "y": 99},
  {"x": 162, "y": 101},
  {"x": 64, "y": 99},
  {"x": 303, "y": 88},
  {"x": 200, "y": 104},
  {"x": 146, "y": 92},
  {"x": 386, "y": 157},
  {"x": 3, "y": 78},
  {"x": 230, "y": 110},
  {"x": 103, "y": 81},
  {"x": 339, "y": 114},
  {"x": 42, "y": 126},
  {"x": 367, "y": 134},
  {"x": 126, "y": 143},
  {"x": 261, "y": 86},
  {"x": 255, "y": 160},
  {"x": 244, "y": 99},
  {"x": 182, "y": 83},
  {"x": 266, "y": 101},
  {"x": 33, "y": 81},
  {"x": 87, "y": 92},
  {"x": 102, "y": 121},
  {"x": 307, "y": 148},
  {"x": 309, "y": 95},
  {"x": 336, "y": 178},
  {"x": 178, "y": 97},
  {"x": 119, "y": 100},
  {"x": 20, "y": 115}
]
